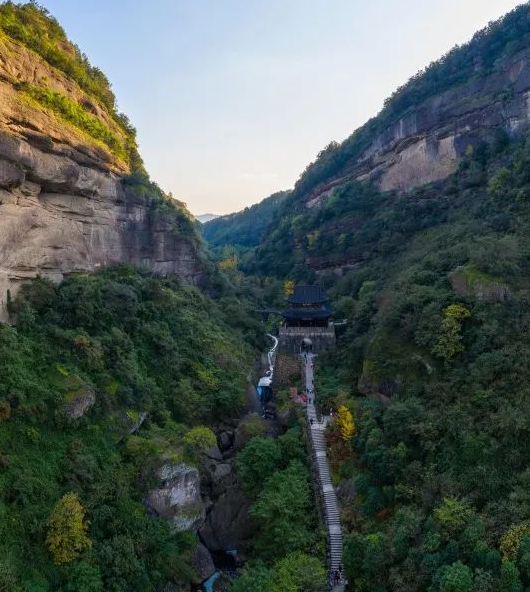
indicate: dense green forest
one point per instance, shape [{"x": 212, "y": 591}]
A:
[
  {"x": 134, "y": 344},
  {"x": 289, "y": 549},
  {"x": 246, "y": 228},
  {"x": 437, "y": 304},
  {"x": 433, "y": 476}
]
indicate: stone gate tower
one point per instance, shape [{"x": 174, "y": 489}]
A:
[{"x": 308, "y": 322}]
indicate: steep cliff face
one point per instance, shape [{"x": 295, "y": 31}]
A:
[
  {"x": 426, "y": 143},
  {"x": 65, "y": 204}
]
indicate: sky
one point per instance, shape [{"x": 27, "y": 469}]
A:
[{"x": 233, "y": 98}]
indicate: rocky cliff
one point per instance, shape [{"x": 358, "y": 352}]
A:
[
  {"x": 426, "y": 143},
  {"x": 65, "y": 202}
]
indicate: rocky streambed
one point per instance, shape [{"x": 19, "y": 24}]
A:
[{"x": 207, "y": 499}]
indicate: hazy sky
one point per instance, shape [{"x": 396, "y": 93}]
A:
[{"x": 233, "y": 98}]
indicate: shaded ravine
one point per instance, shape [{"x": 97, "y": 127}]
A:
[
  {"x": 327, "y": 491},
  {"x": 254, "y": 405}
]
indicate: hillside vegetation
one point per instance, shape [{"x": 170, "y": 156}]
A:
[
  {"x": 437, "y": 310},
  {"x": 134, "y": 344},
  {"x": 434, "y": 283},
  {"x": 32, "y": 26},
  {"x": 243, "y": 229}
]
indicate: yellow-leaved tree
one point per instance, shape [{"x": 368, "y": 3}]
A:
[
  {"x": 289, "y": 287},
  {"x": 229, "y": 263},
  {"x": 449, "y": 341},
  {"x": 67, "y": 535},
  {"x": 345, "y": 423},
  {"x": 512, "y": 539}
]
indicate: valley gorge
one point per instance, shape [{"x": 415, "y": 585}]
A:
[{"x": 150, "y": 439}]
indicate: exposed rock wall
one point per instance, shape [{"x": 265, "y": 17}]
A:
[
  {"x": 425, "y": 144},
  {"x": 63, "y": 205},
  {"x": 178, "y": 498}
]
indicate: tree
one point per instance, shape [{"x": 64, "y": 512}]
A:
[
  {"x": 511, "y": 541},
  {"x": 510, "y": 580},
  {"x": 449, "y": 343},
  {"x": 456, "y": 578},
  {"x": 292, "y": 446},
  {"x": 198, "y": 440},
  {"x": 67, "y": 535},
  {"x": 229, "y": 263},
  {"x": 255, "y": 578},
  {"x": 499, "y": 182},
  {"x": 452, "y": 516},
  {"x": 83, "y": 577},
  {"x": 282, "y": 511},
  {"x": 345, "y": 423},
  {"x": 260, "y": 458},
  {"x": 298, "y": 572},
  {"x": 289, "y": 287},
  {"x": 376, "y": 555},
  {"x": 353, "y": 555},
  {"x": 8, "y": 580}
]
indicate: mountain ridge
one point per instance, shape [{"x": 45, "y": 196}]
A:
[{"x": 74, "y": 195}]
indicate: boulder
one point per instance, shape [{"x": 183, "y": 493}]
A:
[
  {"x": 467, "y": 281},
  {"x": 178, "y": 498},
  {"x": 251, "y": 425},
  {"x": 226, "y": 440},
  {"x": 11, "y": 175},
  {"x": 79, "y": 396},
  {"x": 214, "y": 454},
  {"x": 80, "y": 404},
  {"x": 229, "y": 524},
  {"x": 346, "y": 492},
  {"x": 382, "y": 390},
  {"x": 216, "y": 476},
  {"x": 203, "y": 563}
]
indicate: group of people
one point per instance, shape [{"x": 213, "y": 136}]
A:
[{"x": 335, "y": 576}]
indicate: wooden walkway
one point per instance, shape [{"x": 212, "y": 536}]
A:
[{"x": 331, "y": 506}]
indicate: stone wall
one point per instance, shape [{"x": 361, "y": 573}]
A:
[
  {"x": 322, "y": 338},
  {"x": 287, "y": 365}
]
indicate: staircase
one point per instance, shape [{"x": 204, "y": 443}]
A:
[{"x": 331, "y": 507}]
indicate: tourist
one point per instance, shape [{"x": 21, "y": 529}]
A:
[
  {"x": 311, "y": 422},
  {"x": 336, "y": 578}
]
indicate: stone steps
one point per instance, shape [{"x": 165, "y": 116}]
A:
[{"x": 330, "y": 503}]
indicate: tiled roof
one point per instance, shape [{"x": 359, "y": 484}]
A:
[{"x": 308, "y": 295}]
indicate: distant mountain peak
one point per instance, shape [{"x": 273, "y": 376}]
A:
[{"x": 203, "y": 218}]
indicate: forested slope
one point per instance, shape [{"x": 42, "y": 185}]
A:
[
  {"x": 433, "y": 280},
  {"x": 108, "y": 381},
  {"x": 246, "y": 228},
  {"x": 86, "y": 361}
]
